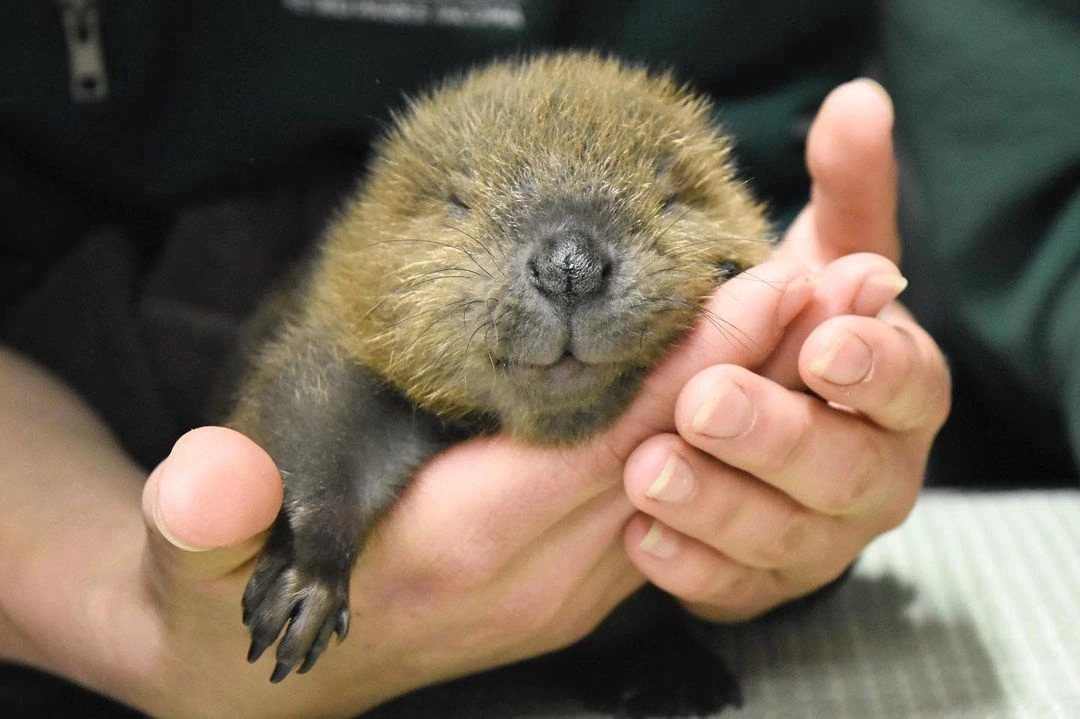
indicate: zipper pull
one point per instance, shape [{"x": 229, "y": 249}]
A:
[{"x": 86, "y": 52}]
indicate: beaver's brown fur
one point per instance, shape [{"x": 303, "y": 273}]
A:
[
  {"x": 531, "y": 239},
  {"x": 421, "y": 276}
]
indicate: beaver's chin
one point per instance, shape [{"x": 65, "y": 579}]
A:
[{"x": 562, "y": 402}]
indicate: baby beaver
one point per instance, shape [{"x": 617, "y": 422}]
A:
[{"x": 531, "y": 239}]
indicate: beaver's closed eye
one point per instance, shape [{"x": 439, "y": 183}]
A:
[
  {"x": 668, "y": 203},
  {"x": 457, "y": 208}
]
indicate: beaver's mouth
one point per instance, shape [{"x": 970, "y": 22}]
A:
[
  {"x": 568, "y": 373},
  {"x": 562, "y": 401}
]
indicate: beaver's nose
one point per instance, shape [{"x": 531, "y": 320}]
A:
[{"x": 569, "y": 267}]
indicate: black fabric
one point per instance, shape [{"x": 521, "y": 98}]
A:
[{"x": 145, "y": 343}]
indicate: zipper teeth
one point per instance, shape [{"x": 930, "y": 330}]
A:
[{"x": 81, "y": 21}]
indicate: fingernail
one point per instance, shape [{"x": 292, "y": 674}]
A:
[
  {"x": 888, "y": 281},
  {"x": 159, "y": 489},
  {"x": 660, "y": 542},
  {"x": 878, "y": 88},
  {"x": 876, "y": 292},
  {"x": 845, "y": 361},
  {"x": 796, "y": 294},
  {"x": 675, "y": 483},
  {"x": 726, "y": 412},
  {"x": 163, "y": 529}
]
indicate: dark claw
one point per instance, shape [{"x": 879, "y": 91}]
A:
[
  {"x": 314, "y": 654},
  {"x": 281, "y": 670},
  {"x": 302, "y": 607},
  {"x": 318, "y": 646},
  {"x": 342, "y": 626},
  {"x": 256, "y": 650}
]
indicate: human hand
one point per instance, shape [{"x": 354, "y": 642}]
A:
[
  {"x": 496, "y": 552},
  {"x": 430, "y": 598},
  {"x": 766, "y": 493}
]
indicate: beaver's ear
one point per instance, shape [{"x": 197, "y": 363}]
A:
[
  {"x": 664, "y": 182},
  {"x": 674, "y": 192}
]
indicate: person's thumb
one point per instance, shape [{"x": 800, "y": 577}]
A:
[
  {"x": 207, "y": 505},
  {"x": 849, "y": 154}
]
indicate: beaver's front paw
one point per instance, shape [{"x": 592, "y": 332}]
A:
[{"x": 309, "y": 603}]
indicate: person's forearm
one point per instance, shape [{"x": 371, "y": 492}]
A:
[{"x": 62, "y": 484}]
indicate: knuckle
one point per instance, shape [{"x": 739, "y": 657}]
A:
[
  {"x": 785, "y": 542},
  {"x": 789, "y": 446},
  {"x": 941, "y": 392},
  {"x": 920, "y": 396},
  {"x": 728, "y": 586},
  {"x": 724, "y": 515},
  {"x": 697, "y": 586},
  {"x": 853, "y": 490},
  {"x": 894, "y": 514},
  {"x": 898, "y": 383},
  {"x": 564, "y": 631},
  {"x": 734, "y": 590},
  {"x": 898, "y": 506}
]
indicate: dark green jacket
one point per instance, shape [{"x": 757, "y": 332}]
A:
[{"x": 988, "y": 107}]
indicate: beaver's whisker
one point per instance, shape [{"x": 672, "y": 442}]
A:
[{"x": 483, "y": 246}]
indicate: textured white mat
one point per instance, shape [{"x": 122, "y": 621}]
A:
[{"x": 970, "y": 609}]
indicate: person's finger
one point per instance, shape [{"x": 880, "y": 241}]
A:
[
  {"x": 726, "y": 544},
  {"x": 849, "y": 155},
  {"x": 483, "y": 504},
  {"x": 857, "y": 284},
  {"x": 208, "y": 503},
  {"x": 495, "y": 496},
  {"x": 741, "y": 324},
  {"x": 892, "y": 373},
  {"x": 581, "y": 564},
  {"x": 699, "y": 575},
  {"x": 748, "y": 520},
  {"x": 787, "y": 439}
]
